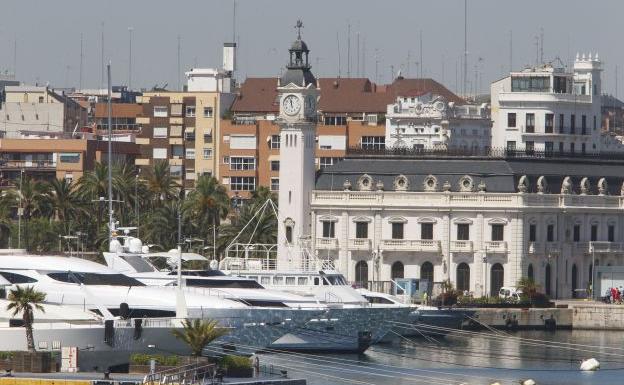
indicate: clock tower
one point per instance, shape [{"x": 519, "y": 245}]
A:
[{"x": 298, "y": 94}]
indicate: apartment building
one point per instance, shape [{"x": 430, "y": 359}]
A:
[
  {"x": 180, "y": 127},
  {"x": 547, "y": 109},
  {"x": 57, "y": 155},
  {"x": 35, "y": 108},
  {"x": 351, "y": 113}
]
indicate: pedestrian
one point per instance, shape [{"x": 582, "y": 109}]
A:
[{"x": 612, "y": 298}]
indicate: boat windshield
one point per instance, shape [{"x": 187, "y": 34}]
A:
[
  {"x": 380, "y": 300},
  {"x": 335, "y": 280},
  {"x": 224, "y": 283},
  {"x": 95, "y": 279},
  {"x": 139, "y": 264},
  {"x": 200, "y": 273}
]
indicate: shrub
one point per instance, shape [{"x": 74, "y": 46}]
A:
[
  {"x": 231, "y": 362},
  {"x": 144, "y": 359}
]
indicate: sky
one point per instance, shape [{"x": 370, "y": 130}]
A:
[{"x": 47, "y": 35}]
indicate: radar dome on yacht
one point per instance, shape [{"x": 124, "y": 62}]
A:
[
  {"x": 214, "y": 264},
  {"x": 135, "y": 245},
  {"x": 145, "y": 249},
  {"x": 173, "y": 251},
  {"x": 115, "y": 246}
]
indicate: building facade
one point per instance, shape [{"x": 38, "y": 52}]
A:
[
  {"x": 429, "y": 121},
  {"x": 34, "y": 108},
  {"x": 546, "y": 109},
  {"x": 480, "y": 223}
]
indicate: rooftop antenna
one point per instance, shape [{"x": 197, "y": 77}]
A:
[
  {"x": 408, "y": 63},
  {"x": 338, "y": 43},
  {"x": 178, "y": 74},
  {"x": 421, "y": 55},
  {"x": 510, "y": 50},
  {"x": 363, "y": 56},
  {"x": 465, "y": 85},
  {"x": 442, "y": 66},
  {"x": 81, "y": 59},
  {"x": 15, "y": 58},
  {"x": 357, "y": 72},
  {"x": 234, "y": 22},
  {"x": 130, "y": 29},
  {"x": 102, "y": 57},
  {"x": 536, "y": 50},
  {"x": 349, "y": 50},
  {"x": 376, "y": 65},
  {"x": 541, "y": 45}
]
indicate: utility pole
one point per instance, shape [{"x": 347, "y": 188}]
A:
[
  {"x": 541, "y": 45},
  {"x": 421, "y": 56},
  {"x": 409, "y": 59},
  {"x": 338, "y": 42},
  {"x": 15, "y": 58},
  {"x": 357, "y": 72},
  {"x": 376, "y": 65},
  {"x": 364, "y": 56},
  {"x": 130, "y": 29},
  {"x": 510, "y": 51},
  {"x": 102, "y": 57}
]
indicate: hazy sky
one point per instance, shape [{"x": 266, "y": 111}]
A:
[{"x": 48, "y": 37}]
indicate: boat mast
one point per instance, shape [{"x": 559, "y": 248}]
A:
[{"x": 110, "y": 156}]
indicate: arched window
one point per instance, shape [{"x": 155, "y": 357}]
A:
[
  {"x": 547, "y": 277},
  {"x": 530, "y": 273},
  {"x": 463, "y": 277},
  {"x": 397, "y": 270},
  {"x": 426, "y": 272},
  {"x": 361, "y": 273},
  {"x": 574, "y": 280},
  {"x": 497, "y": 279}
]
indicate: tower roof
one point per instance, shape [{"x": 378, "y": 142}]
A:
[{"x": 298, "y": 69}]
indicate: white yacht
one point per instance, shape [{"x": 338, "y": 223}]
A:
[
  {"x": 345, "y": 326},
  {"x": 119, "y": 314}
]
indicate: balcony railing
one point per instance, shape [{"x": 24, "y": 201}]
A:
[
  {"x": 326, "y": 243},
  {"x": 18, "y": 164},
  {"x": 461, "y": 246},
  {"x": 496, "y": 246},
  {"x": 606, "y": 247},
  {"x": 411, "y": 244},
  {"x": 359, "y": 244}
]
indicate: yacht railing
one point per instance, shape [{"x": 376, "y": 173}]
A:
[{"x": 196, "y": 373}]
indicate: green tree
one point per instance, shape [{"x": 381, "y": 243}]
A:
[
  {"x": 529, "y": 288},
  {"x": 65, "y": 202},
  {"x": 161, "y": 225},
  {"x": 161, "y": 185},
  {"x": 197, "y": 334},
  {"x": 24, "y": 301},
  {"x": 207, "y": 205}
]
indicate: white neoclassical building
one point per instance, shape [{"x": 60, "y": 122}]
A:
[
  {"x": 483, "y": 223},
  {"x": 429, "y": 121},
  {"x": 547, "y": 109}
]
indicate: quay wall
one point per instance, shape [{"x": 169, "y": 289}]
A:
[{"x": 588, "y": 316}]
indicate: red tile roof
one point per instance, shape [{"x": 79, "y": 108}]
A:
[{"x": 339, "y": 95}]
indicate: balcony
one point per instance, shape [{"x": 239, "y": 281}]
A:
[
  {"x": 496, "y": 247},
  {"x": 426, "y": 245},
  {"x": 359, "y": 244},
  {"x": 605, "y": 247},
  {"x": 326, "y": 243},
  {"x": 461, "y": 246},
  {"x": 27, "y": 164},
  {"x": 544, "y": 248}
]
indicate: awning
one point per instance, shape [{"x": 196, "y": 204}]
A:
[
  {"x": 190, "y": 129},
  {"x": 208, "y": 131},
  {"x": 274, "y": 157}
]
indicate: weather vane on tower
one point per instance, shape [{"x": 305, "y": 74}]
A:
[{"x": 299, "y": 25}]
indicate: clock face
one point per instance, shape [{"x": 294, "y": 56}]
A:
[{"x": 291, "y": 104}]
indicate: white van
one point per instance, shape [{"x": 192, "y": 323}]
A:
[{"x": 510, "y": 293}]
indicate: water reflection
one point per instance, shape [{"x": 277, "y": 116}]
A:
[{"x": 551, "y": 358}]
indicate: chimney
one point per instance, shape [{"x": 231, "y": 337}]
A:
[{"x": 229, "y": 57}]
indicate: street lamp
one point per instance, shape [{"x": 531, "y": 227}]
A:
[{"x": 20, "y": 211}]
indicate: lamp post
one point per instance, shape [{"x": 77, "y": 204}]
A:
[
  {"x": 136, "y": 202},
  {"x": 20, "y": 211}
]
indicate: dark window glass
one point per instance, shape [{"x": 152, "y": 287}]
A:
[
  {"x": 16, "y": 278},
  {"x": 583, "y": 124},
  {"x": 530, "y": 122},
  {"x": 572, "y": 123},
  {"x": 529, "y": 148},
  {"x": 397, "y": 230},
  {"x": 329, "y": 229},
  {"x": 549, "y": 148},
  {"x": 223, "y": 283},
  {"x": 463, "y": 232},
  {"x": 576, "y": 233},
  {"x": 498, "y": 231},
  {"x": 550, "y": 233},
  {"x": 549, "y": 123},
  {"x": 289, "y": 231},
  {"x": 511, "y": 119},
  {"x": 95, "y": 279},
  {"x": 426, "y": 231},
  {"x": 611, "y": 233},
  {"x": 532, "y": 233},
  {"x": 561, "y": 123},
  {"x": 361, "y": 229},
  {"x": 572, "y": 148},
  {"x": 594, "y": 233}
]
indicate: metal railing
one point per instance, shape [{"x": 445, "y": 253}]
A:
[
  {"x": 495, "y": 153},
  {"x": 189, "y": 374}
]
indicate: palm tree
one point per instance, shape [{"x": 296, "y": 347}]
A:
[
  {"x": 528, "y": 287},
  {"x": 64, "y": 199},
  {"x": 25, "y": 300},
  {"x": 7, "y": 204},
  {"x": 160, "y": 226},
  {"x": 32, "y": 194},
  {"x": 160, "y": 183},
  {"x": 208, "y": 204},
  {"x": 197, "y": 334}
]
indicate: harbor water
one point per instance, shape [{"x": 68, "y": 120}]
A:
[{"x": 549, "y": 358}]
